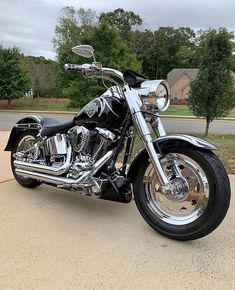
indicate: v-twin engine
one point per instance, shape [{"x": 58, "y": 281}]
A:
[
  {"x": 88, "y": 146},
  {"x": 69, "y": 160}
]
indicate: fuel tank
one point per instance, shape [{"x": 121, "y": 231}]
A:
[{"x": 104, "y": 111}]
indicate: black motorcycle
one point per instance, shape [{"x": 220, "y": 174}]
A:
[{"x": 180, "y": 187}]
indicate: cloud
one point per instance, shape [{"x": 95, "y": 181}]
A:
[{"x": 30, "y": 24}]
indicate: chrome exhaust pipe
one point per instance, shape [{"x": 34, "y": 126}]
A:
[
  {"x": 44, "y": 168},
  {"x": 63, "y": 180}
]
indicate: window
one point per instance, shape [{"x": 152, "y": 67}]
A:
[{"x": 175, "y": 97}]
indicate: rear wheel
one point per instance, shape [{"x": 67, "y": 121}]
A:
[
  {"x": 23, "y": 143},
  {"x": 200, "y": 200}
]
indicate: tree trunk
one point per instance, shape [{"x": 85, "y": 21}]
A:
[
  {"x": 207, "y": 125},
  {"x": 8, "y": 103}
]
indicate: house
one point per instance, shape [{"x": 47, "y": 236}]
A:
[
  {"x": 179, "y": 81},
  {"x": 29, "y": 94}
]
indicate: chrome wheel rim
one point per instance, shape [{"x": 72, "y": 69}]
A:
[
  {"x": 25, "y": 143},
  {"x": 185, "y": 207}
]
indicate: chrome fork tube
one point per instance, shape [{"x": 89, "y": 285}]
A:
[
  {"x": 135, "y": 104},
  {"x": 160, "y": 130}
]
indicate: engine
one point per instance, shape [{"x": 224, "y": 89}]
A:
[
  {"x": 87, "y": 147},
  {"x": 56, "y": 149}
]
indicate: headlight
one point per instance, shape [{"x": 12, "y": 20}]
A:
[
  {"x": 157, "y": 93},
  {"x": 162, "y": 96}
]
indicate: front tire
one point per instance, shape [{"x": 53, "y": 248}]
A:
[
  {"x": 186, "y": 216},
  {"x": 23, "y": 142}
]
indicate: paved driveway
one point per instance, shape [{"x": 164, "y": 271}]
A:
[{"x": 53, "y": 239}]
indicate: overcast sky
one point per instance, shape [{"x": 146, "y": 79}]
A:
[{"x": 30, "y": 24}]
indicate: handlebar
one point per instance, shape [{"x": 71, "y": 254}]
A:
[
  {"x": 88, "y": 68},
  {"x": 78, "y": 67}
]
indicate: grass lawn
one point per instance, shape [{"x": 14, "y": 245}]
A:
[
  {"x": 183, "y": 110},
  {"x": 225, "y": 145}
]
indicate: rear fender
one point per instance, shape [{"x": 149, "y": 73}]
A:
[
  {"x": 27, "y": 124},
  {"x": 165, "y": 142}
]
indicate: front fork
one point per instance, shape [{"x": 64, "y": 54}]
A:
[{"x": 139, "y": 121}]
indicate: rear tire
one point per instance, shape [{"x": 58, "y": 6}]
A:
[
  {"x": 24, "y": 181},
  {"x": 204, "y": 216}
]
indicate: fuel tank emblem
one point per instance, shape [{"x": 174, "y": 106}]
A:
[{"x": 90, "y": 109}]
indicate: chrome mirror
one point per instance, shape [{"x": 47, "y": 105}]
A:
[{"x": 84, "y": 51}]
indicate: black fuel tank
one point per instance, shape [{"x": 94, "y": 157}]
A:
[{"x": 105, "y": 111}]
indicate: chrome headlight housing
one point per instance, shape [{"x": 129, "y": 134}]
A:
[{"x": 155, "y": 92}]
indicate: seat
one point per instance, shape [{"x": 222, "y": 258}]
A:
[{"x": 52, "y": 126}]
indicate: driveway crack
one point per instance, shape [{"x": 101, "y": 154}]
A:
[{"x": 7, "y": 180}]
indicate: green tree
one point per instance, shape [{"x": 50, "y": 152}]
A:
[
  {"x": 168, "y": 42},
  {"x": 14, "y": 82},
  {"x": 43, "y": 75},
  {"x": 143, "y": 48},
  {"x": 233, "y": 63},
  {"x": 161, "y": 50},
  {"x": 110, "y": 49},
  {"x": 72, "y": 26},
  {"x": 124, "y": 21},
  {"x": 233, "y": 57},
  {"x": 185, "y": 57},
  {"x": 212, "y": 93}
]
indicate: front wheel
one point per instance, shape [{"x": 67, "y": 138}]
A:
[{"x": 201, "y": 197}]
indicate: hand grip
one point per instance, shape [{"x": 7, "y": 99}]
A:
[{"x": 70, "y": 66}]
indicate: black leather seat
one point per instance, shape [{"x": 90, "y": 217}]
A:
[{"x": 52, "y": 126}]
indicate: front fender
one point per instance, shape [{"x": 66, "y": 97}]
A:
[
  {"x": 186, "y": 139},
  {"x": 168, "y": 141},
  {"x": 27, "y": 124}
]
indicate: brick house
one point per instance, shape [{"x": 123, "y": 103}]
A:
[{"x": 179, "y": 81}]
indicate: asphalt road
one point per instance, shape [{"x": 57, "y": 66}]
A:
[
  {"x": 55, "y": 239},
  {"x": 7, "y": 121}
]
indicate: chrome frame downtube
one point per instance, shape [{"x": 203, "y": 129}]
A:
[{"x": 135, "y": 104}]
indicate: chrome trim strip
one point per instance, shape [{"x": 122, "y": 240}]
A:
[{"x": 29, "y": 125}]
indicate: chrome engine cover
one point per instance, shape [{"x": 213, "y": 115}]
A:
[
  {"x": 56, "y": 145},
  {"x": 56, "y": 148},
  {"x": 78, "y": 136}
]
